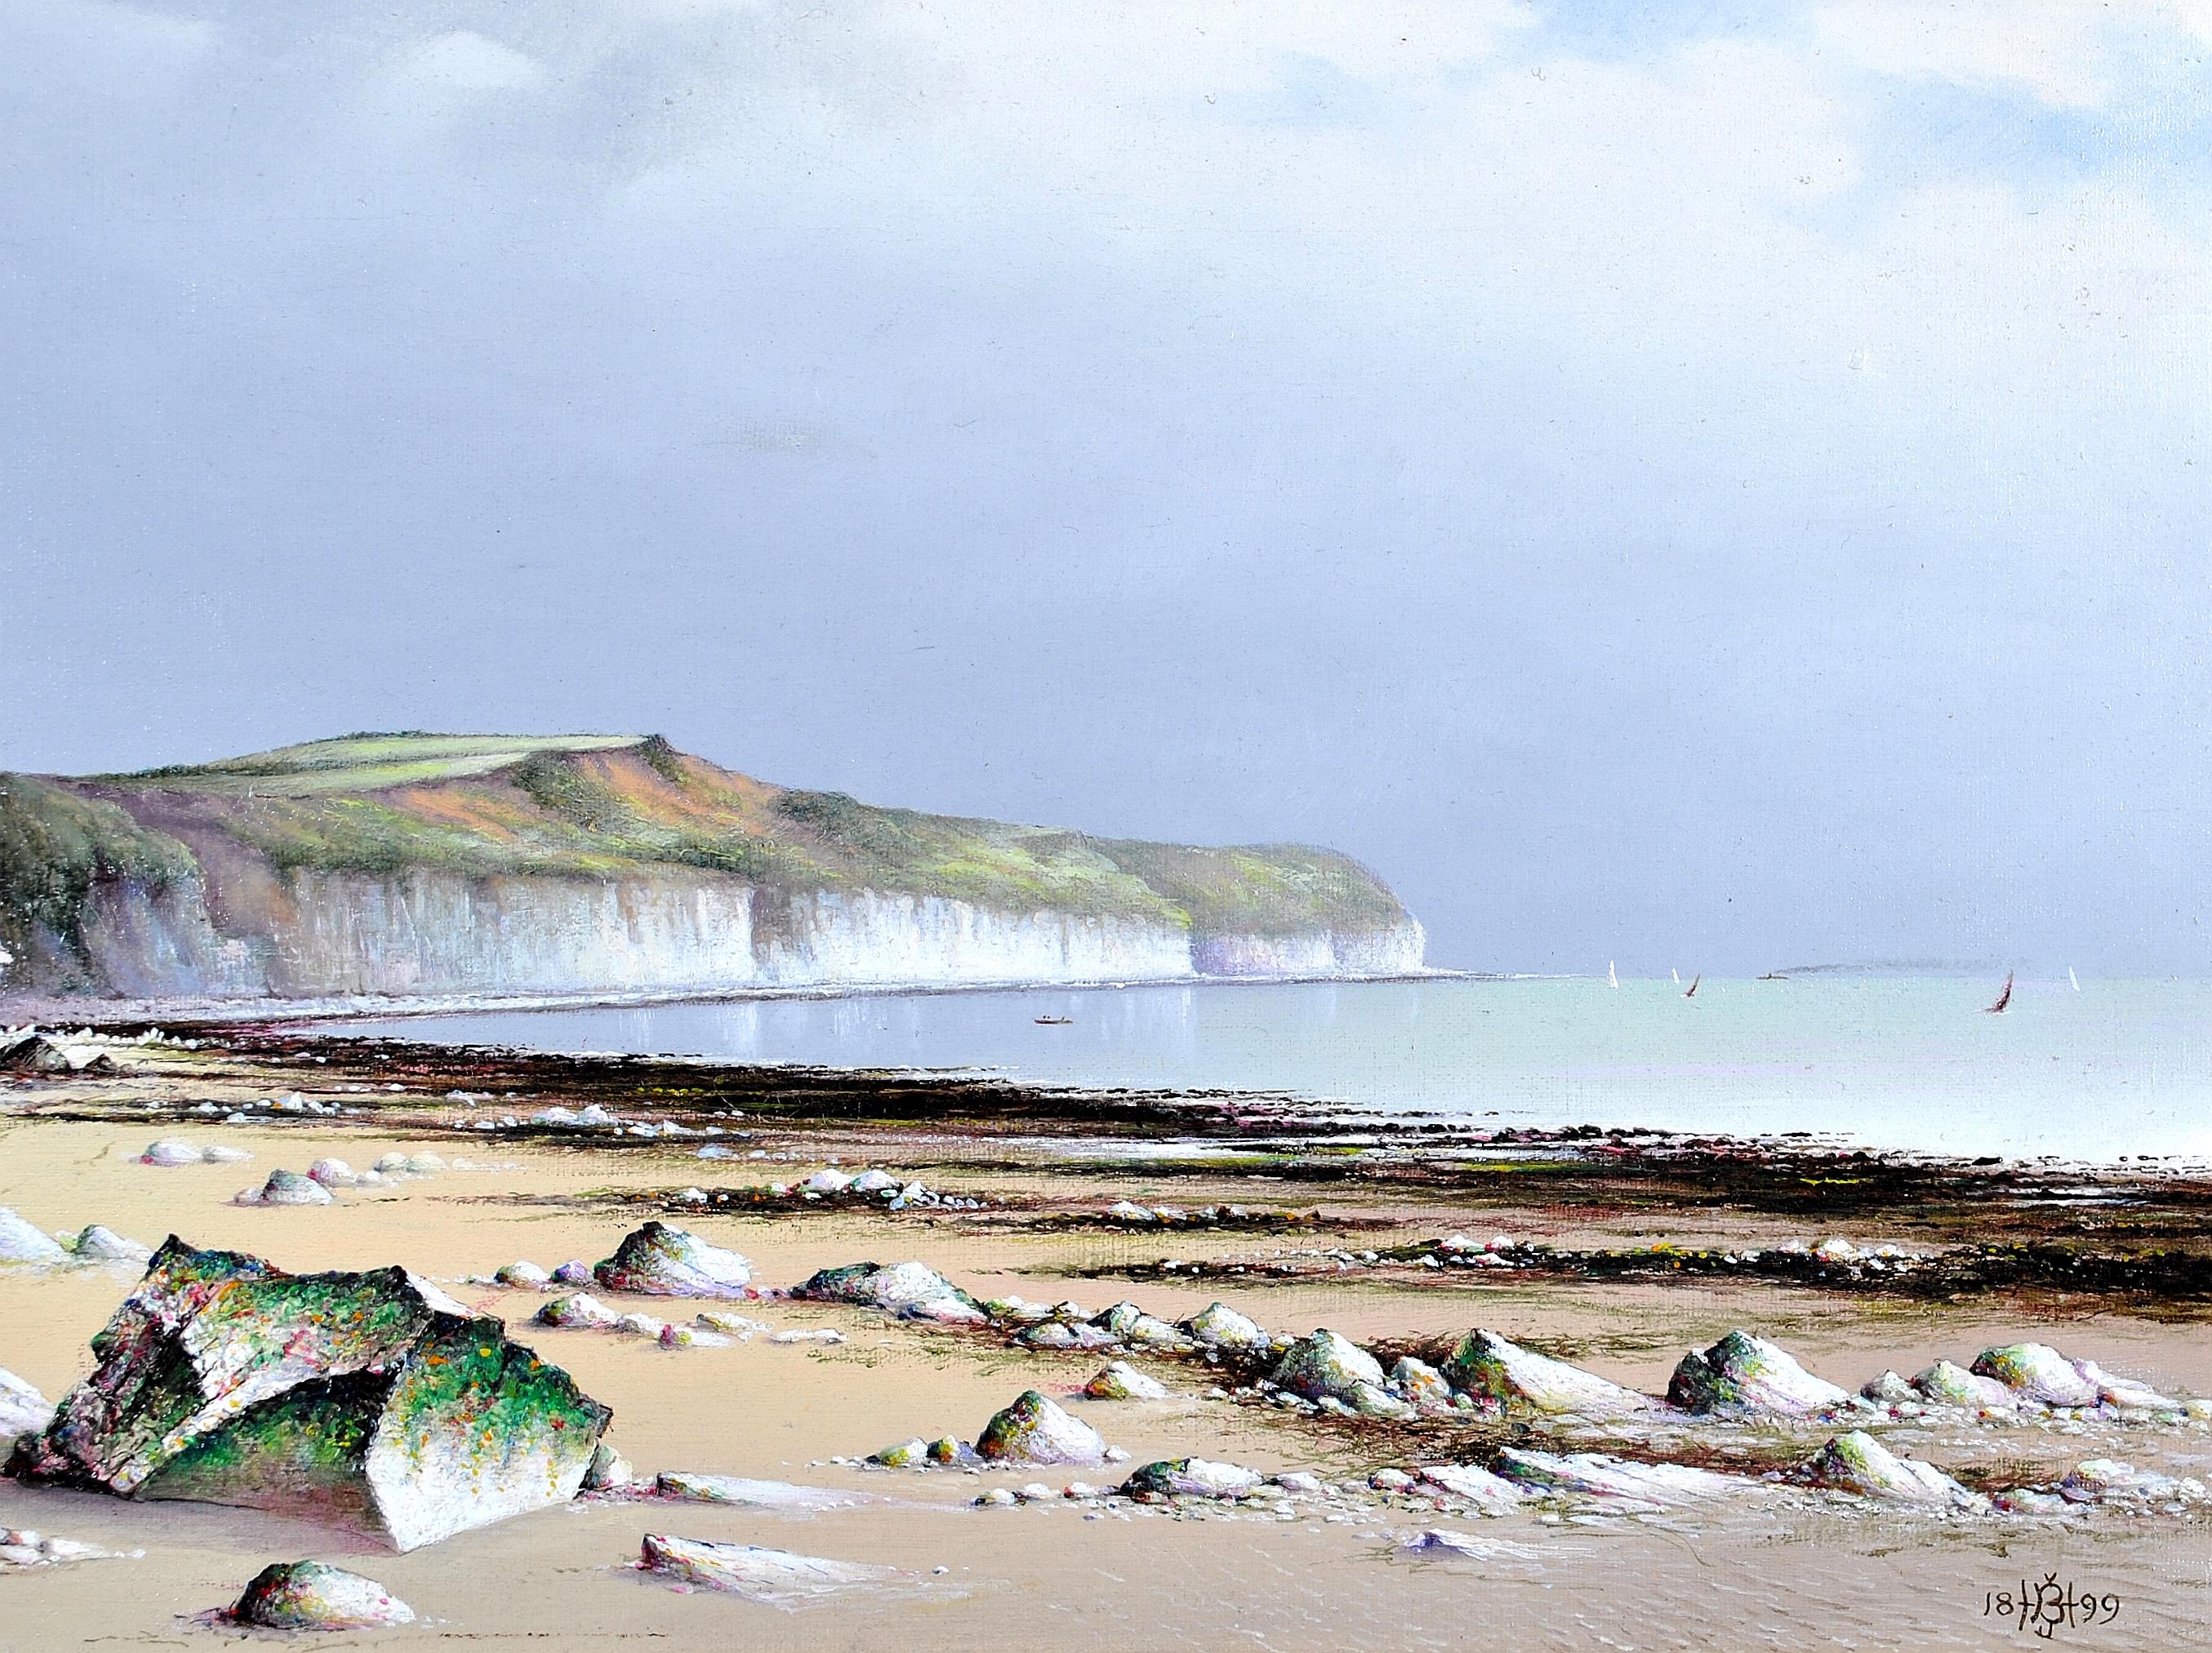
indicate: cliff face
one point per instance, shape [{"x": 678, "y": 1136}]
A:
[{"x": 430, "y": 866}]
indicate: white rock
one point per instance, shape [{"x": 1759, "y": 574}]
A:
[
  {"x": 21, "y": 1243},
  {"x": 775, "y": 1577},
  {"x": 170, "y": 1151}
]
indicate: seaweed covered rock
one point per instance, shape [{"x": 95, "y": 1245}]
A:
[
  {"x": 1035, "y": 1430},
  {"x": 1623, "y": 1483},
  {"x": 313, "y": 1595},
  {"x": 1326, "y": 1366},
  {"x": 1120, "y": 1381},
  {"x": 1500, "y": 1369},
  {"x": 1947, "y": 1383},
  {"x": 369, "y": 1400},
  {"x": 1746, "y": 1375},
  {"x": 659, "y": 1260}
]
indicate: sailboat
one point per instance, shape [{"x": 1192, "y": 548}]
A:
[
  {"x": 1677, "y": 975},
  {"x": 1694, "y": 980},
  {"x": 1611, "y": 978},
  {"x": 2003, "y": 998},
  {"x": 2073, "y": 980}
]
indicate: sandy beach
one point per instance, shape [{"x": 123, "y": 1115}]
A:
[{"x": 1328, "y": 1234}]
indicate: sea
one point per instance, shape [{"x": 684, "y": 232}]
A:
[{"x": 2111, "y": 1071}]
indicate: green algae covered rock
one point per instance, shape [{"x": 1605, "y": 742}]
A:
[
  {"x": 365, "y": 1400},
  {"x": 1500, "y": 1370},
  {"x": 1746, "y": 1375},
  {"x": 313, "y": 1595},
  {"x": 1035, "y": 1430}
]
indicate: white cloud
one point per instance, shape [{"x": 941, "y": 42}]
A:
[
  {"x": 462, "y": 60},
  {"x": 2066, "y": 54}
]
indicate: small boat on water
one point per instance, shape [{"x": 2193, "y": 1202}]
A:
[
  {"x": 1694, "y": 980},
  {"x": 1055, "y": 1021},
  {"x": 2073, "y": 980},
  {"x": 2003, "y": 998},
  {"x": 1611, "y": 978},
  {"x": 1677, "y": 975}
]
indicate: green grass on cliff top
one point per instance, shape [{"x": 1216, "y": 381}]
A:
[{"x": 365, "y": 763}]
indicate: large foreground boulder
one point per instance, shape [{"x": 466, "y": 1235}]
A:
[
  {"x": 661, "y": 1261},
  {"x": 1500, "y": 1370},
  {"x": 1748, "y": 1376},
  {"x": 370, "y": 1401}
]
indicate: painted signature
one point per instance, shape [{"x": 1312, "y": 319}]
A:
[{"x": 2048, "y": 1606}]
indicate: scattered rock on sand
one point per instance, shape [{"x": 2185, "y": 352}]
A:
[
  {"x": 661, "y": 1261},
  {"x": 95, "y": 1243},
  {"x": 895, "y": 1288},
  {"x": 754, "y": 1494},
  {"x": 1192, "y": 1478},
  {"x": 312, "y": 1595},
  {"x": 20, "y": 1547},
  {"x": 1035, "y": 1430},
  {"x": 777, "y": 1578},
  {"x": 1946, "y": 1383},
  {"x": 1486, "y": 1364},
  {"x": 1890, "y": 1390},
  {"x": 21, "y": 1243},
  {"x": 2036, "y": 1372},
  {"x": 23, "y": 1410},
  {"x": 1746, "y": 1375},
  {"x": 170, "y": 1151},
  {"x": 1418, "y": 1382},
  {"x": 1219, "y": 1326},
  {"x": 574, "y": 1272},
  {"x": 1325, "y": 1365},
  {"x": 527, "y": 1276},
  {"x": 579, "y": 1311},
  {"x": 221, "y": 1376},
  {"x": 1856, "y": 1462},
  {"x": 609, "y": 1472},
  {"x": 332, "y": 1173},
  {"x": 287, "y": 1188},
  {"x": 1491, "y": 1494},
  {"x": 1622, "y": 1482},
  {"x": 1120, "y": 1381}
]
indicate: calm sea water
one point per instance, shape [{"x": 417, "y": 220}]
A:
[{"x": 2117, "y": 1068}]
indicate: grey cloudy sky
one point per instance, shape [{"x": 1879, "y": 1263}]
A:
[{"x": 1712, "y": 485}]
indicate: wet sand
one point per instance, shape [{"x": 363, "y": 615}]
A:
[{"x": 1057, "y": 1574}]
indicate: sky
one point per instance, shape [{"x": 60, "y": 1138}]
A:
[{"x": 1719, "y": 487}]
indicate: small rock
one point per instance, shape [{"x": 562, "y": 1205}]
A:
[
  {"x": 224, "y": 1153},
  {"x": 1219, "y": 1326},
  {"x": 777, "y": 1578},
  {"x": 2037, "y": 1372},
  {"x": 312, "y": 1595},
  {"x": 1035, "y": 1430},
  {"x": 1890, "y": 1390},
  {"x": 170, "y": 1151},
  {"x": 527, "y": 1276},
  {"x": 1326, "y": 1366},
  {"x": 609, "y": 1471},
  {"x": 578, "y": 1309},
  {"x": 1492, "y": 1494},
  {"x": 732, "y": 1325},
  {"x": 574, "y": 1272},
  {"x": 1486, "y": 1364},
  {"x": 98, "y": 1245},
  {"x": 1389, "y": 1481},
  {"x": 21, "y": 1243},
  {"x": 997, "y": 1498},
  {"x": 1856, "y": 1462},
  {"x": 1748, "y": 1376},
  {"x": 1120, "y": 1381},
  {"x": 640, "y": 1325},
  {"x": 1418, "y": 1382},
  {"x": 898, "y": 1288},
  {"x": 659, "y": 1260},
  {"x": 1622, "y": 1482},
  {"x": 691, "y": 1337},
  {"x": 1946, "y": 1383},
  {"x": 23, "y": 1410},
  {"x": 1192, "y": 1478},
  {"x": 810, "y": 1335},
  {"x": 907, "y": 1454},
  {"x": 291, "y": 1188},
  {"x": 331, "y": 1173}
]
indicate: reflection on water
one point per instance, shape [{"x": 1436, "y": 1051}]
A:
[{"x": 2119, "y": 1068}]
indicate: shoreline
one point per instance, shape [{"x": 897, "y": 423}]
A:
[{"x": 103, "y": 1012}]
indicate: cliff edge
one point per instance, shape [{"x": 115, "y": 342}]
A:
[{"x": 426, "y": 865}]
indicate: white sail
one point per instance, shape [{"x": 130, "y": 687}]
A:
[
  {"x": 2073, "y": 978},
  {"x": 1677, "y": 975},
  {"x": 1612, "y": 979}
]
